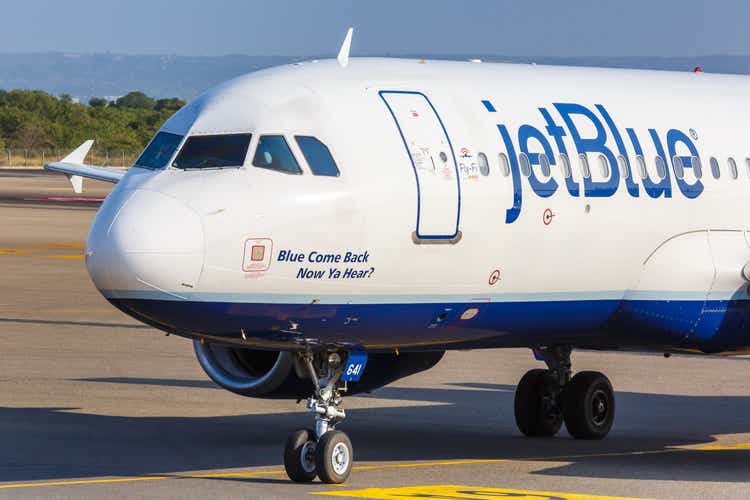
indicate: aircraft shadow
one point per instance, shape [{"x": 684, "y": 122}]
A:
[{"x": 466, "y": 421}]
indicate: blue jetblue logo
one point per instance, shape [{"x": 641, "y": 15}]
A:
[{"x": 532, "y": 142}]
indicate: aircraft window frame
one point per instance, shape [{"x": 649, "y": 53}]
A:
[
  {"x": 484, "y": 164},
  {"x": 567, "y": 170},
  {"x": 502, "y": 159},
  {"x": 678, "y": 166},
  {"x": 544, "y": 165},
  {"x": 747, "y": 167},
  {"x": 697, "y": 165},
  {"x": 642, "y": 171},
  {"x": 661, "y": 167},
  {"x": 525, "y": 164},
  {"x": 583, "y": 162},
  {"x": 622, "y": 165},
  {"x": 256, "y": 150},
  {"x": 733, "y": 172},
  {"x": 715, "y": 168},
  {"x": 604, "y": 167},
  {"x": 315, "y": 169}
]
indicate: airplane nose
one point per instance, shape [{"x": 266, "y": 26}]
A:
[{"x": 145, "y": 242}]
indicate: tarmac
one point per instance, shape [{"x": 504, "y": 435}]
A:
[{"x": 96, "y": 405}]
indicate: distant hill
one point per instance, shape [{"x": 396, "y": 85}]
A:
[{"x": 87, "y": 75}]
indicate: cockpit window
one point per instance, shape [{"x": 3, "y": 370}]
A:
[
  {"x": 159, "y": 151},
  {"x": 317, "y": 155},
  {"x": 273, "y": 153},
  {"x": 213, "y": 151}
]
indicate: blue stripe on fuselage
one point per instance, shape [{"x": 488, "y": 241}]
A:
[{"x": 714, "y": 325}]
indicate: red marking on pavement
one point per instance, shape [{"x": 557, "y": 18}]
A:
[{"x": 71, "y": 199}]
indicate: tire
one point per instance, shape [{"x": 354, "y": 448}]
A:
[
  {"x": 535, "y": 407},
  {"x": 299, "y": 456},
  {"x": 589, "y": 406},
  {"x": 334, "y": 457}
]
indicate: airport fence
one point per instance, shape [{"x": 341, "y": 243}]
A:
[{"x": 29, "y": 158}]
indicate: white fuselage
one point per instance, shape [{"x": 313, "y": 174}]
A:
[{"x": 421, "y": 234}]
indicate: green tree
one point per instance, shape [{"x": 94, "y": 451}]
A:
[
  {"x": 37, "y": 120},
  {"x": 97, "y": 102},
  {"x": 172, "y": 104},
  {"x": 134, "y": 100}
]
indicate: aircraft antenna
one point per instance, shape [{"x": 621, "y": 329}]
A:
[{"x": 343, "y": 57}]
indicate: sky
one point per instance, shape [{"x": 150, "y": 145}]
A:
[{"x": 413, "y": 27}]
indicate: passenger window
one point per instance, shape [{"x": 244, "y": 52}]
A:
[
  {"x": 747, "y": 166},
  {"x": 622, "y": 163},
  {"x": 585, "y": 170},
  {"x": 484, "y": 165},
  {"x": 661, "y": 168},
  {"x": 565, "y": 166},
  {"x": 317, "y": 155},
  {"x": 733, "y": 168},
  {"x": 544, "y": 165},
  {"x": 525, "y": 164},
  {"x": 641, "y": 166},
  {"x": 159, "y": 151},
  {"x": 505, "y": 165},
  {"x": 604, "y": 166},
  {"x": 697, "y": 167},
  {"x": 213, "y": 151},
  {"x": 715, "y": 170},
  {"x": 679, "y": 168},
  {"x": 273, "y": 153}
]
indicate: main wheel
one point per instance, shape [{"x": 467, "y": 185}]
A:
[
  {"x": 333, "y": 457},
  {"x": 589, "y": 406},
  {"x": 536, "y": 407},
  {"x": 299, "y": 456}
]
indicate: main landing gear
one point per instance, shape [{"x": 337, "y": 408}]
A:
[
  {"x": 323, "y": 452},
  {"x": 547, "y": 398}
]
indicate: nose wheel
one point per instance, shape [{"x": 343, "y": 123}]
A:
[
  {"x": 299, "y": 456},
  {"x": 324, "y": 452}
]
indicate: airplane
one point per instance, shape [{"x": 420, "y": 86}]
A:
[{"x": 328, "y": 227}]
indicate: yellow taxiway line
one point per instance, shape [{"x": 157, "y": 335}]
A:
[
  {"x": 410, "y": 465},
  {"x": 362, "y": 468},
  {"x": 450, "y": 491}
]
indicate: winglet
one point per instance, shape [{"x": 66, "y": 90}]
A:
[
  {"x": 79, "y": 154},
  {"x": 343, "y": 57}
]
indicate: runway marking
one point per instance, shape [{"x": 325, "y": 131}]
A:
[
  {"x": 409, "y": 465},
  {"x": 78, "y": 482},
  {"x": 68, "y": 199},
  {"x": 430, "y": 464},
  {"x": 725, "y": 447},
  {"x": 450, "y": 491},
  {"x": 80, "y": 246},
  {"x": 36, "y": 250}
]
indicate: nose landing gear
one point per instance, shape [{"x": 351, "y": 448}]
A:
[
  {"x": 325, "y": 452},
  {"x": 547, "y": 398}
]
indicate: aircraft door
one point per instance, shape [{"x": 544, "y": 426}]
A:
[{"x": 431, "y": 157}]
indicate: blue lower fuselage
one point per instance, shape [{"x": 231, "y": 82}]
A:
[{"x": 700, "y": 325}]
